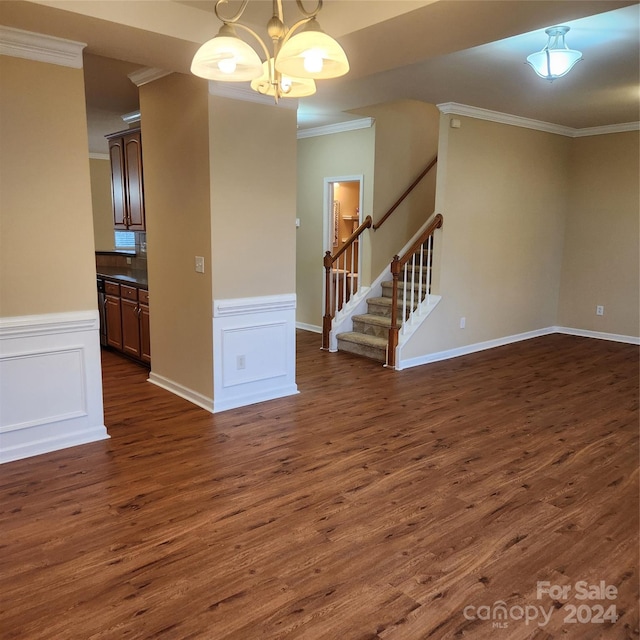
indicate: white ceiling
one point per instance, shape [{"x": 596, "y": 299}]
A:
[
  {"x": 604, "y": 88},
  {"x": 466, "y": 51}
]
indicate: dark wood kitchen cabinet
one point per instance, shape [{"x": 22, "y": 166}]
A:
[
  {"x": 135, "y": 322},
  {"x": 113, "y": 315},
  {"x": 127, "y": 317},
  {"x": 145, "y": 338},
  {"x": 127, "y": 189},
  {"x": 130, "y": 321}
]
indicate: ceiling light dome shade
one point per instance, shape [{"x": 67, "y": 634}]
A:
[
  {"x": 288, "y": 87},
  {"x": 556, "y": 59},
  {"x": 226, "y": 57},
  {"x": 311, "y": 53}
]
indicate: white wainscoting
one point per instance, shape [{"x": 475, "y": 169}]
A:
[
  {"x": 50, "y": 383},
  {"x": 254, "y": 350}
]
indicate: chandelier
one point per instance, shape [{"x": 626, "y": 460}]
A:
[
  {"x": 301, "y": 54},
  {"x": 556, "y": 59}
]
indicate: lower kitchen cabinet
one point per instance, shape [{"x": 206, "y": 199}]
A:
[
  {"x": 127, "y": 316},
  {"x": 130, "y": 328},
  {"x": 113, "y": 315},
  {"x": 145, "y": 339}
]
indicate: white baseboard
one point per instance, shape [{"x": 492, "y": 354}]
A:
[
  {"x": 254, "y": 350},
  {"x": 177, "y": 389},
  {"x": 471, "y": 348},
  {"x": 499, "y": 342},
  {"x": 50, "y": 383},
  {"x": 599, "y": 335},
  {"x": 248, "y": 398},
  {"x": 308, "y": 327}
]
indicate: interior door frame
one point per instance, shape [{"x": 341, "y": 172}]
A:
[{"x": 327, "y": 208}]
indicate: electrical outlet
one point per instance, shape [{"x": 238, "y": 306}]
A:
[
  {"x": 599, "y": 310},
  {"x": 241, "y": 362},
  {"x": 463, "y": 323},
  {"x": 128, "y": 260},
  {"x": 199, "y": 264}
]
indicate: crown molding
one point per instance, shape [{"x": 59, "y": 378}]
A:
[
  {"x": 528, "y": 123},
  {"x": 147, "y": 75},
  {"x": 237, "y": 91},
  {"x": 338, "y": 127},
  {"x": 41, "y": 48},
  {"x": 503, "y": 118},
  {"x": 609, "y": 128}
]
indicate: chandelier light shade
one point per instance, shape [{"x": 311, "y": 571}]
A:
[
  {"x": 227, "y": 58},
  {"x": 300, "y": 54},
  {"x": 311, "y": 53},
  {"x": 556, "y": 59}
]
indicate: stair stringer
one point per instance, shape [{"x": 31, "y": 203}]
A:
[{"x": 419, "y": 316}]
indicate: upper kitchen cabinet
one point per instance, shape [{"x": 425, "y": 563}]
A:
[{"x": 127, "y": 191}]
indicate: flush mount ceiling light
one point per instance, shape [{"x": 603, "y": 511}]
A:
[
  {"x": 556, "y": 59},
  {"x": 301, "y": 54}
]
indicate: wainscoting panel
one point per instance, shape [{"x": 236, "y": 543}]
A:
[
  {"x": 50, "y": 383},
  {"x": 253, "y": 350}
]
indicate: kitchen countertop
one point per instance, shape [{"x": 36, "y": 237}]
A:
[{"x": 134, "y": 277}]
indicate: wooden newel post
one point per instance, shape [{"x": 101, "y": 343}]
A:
[
  {"x": 393, "y": 329},
  {"x": 326, "y": 320}
]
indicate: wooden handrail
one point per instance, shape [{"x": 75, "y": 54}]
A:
[
  {"x": 329, "y": 261},
  {"x": 396, "y": 266},
  {"x": 400, "y": 200}
]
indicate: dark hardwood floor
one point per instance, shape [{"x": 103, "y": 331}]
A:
[{"x": 373, "y": 505}]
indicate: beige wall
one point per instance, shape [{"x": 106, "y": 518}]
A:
[
  {"x": 341, "y": 154},
  {"x": 602, "y": 250},
  {"x": 253, "y": 198},
  {"x": 101, "y": 204},
  {"x": 176, "y": 174},
  {"x": 406, "y": 140},
  {"x": 46, "y": 233},
  {"x": 503, "y": 193}
]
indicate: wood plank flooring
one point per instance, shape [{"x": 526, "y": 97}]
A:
[{"x": 373, "y": 505}]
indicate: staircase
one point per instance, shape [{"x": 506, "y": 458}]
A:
[
  {"x": 376, "y": 333},
  {"x": 370, "y": 335}
]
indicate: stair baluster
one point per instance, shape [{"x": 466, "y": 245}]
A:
[
  {"x": 335, "y": 281},
  {"x": 401, "y": 264}
]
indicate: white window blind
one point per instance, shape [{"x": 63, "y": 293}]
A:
[{"x": 125, "y": 239}]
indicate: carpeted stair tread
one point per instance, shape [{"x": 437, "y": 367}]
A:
[
  {"x": 383, "y": 321},
  {"x": 363, "y": 345},
  {"x": 382, "y": 301},
  {"x": 361, "y": 338}
]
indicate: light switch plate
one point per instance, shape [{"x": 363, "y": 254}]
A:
[{"x": 199, "y": 264}]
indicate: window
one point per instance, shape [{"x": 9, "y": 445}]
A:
[{"x": 125, "y": 239}]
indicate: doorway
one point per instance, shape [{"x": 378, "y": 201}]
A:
[{"x": 342, "y": 215}]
